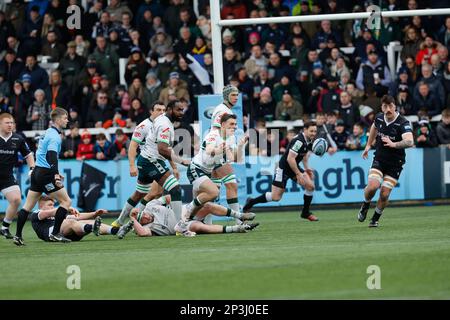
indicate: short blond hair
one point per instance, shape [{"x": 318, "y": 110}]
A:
[{"x": 58, "y": 113}]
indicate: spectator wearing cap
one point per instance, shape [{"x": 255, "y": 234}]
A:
[
  {"x": 107, "y": 59},
  {"x": 39, "y": 77},
  {"x": 288, "y": 108},
  {"x": 340, "y": 134},
  {"x": 160, "y": 42},
  {"x": 136, "y": 65},
  {"x": 175, "y": 87},
  {"x": 152, "y": 89},
  {"x": 19, "y": 103},
  {"x": 426, "y": 100},
  {"x": 367, "y": 116},
  {"x": 427, "y": 48},
  {"x": 329, "y": 96},
  {"x": 29, "y": 34},
  {"x": 255, "y": 62},
  {"x": 314, "y": 85},
  {"x": 361, "y": 43},
  {"x": 404, "y": 101},
  {"x": 285, "y": 84},
  {"x": 57, "y": 94},
  {"x": 435, "y": 85},
  {"x": 402, "y": 80},
  {"x": 74, "y": 117},
  {"x": 11, "y": 67},
  {"x": 70, "y": 144},
  {"x": 321, "y": 37},
  {"x": 374, "y": 73},
  {"x": 348, "y": 112},
  {"x": 100, "y": 112},
  {"x": 38, "y": 115},
  {"x": 425, "y": 137},
  {"x": 85, "y": 150},
  {"x": 71, "y": 66},
  {"x": 119, "y": 147},
  {"x": 443, "y": 128},
  {"x": 411, "y": 44},
  {"x": 264, "y": 107}
]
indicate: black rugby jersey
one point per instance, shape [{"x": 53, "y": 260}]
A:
[
  {"x": 394, "y": 130},
  {"x": 300, "y": 146},
  {"x": 9, "y": 147}
]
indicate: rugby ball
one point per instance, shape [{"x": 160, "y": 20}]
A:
[{"x": 320, "y": 146}]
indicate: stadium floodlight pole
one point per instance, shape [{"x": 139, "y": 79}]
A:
[
  {"x": 216, "y": 46},
  {"x": 217, "y": 24}
]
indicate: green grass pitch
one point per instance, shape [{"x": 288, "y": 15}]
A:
[{"x": 285, "y": 258}]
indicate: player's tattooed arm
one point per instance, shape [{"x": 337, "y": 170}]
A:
[{"x": 405, "y": 143}]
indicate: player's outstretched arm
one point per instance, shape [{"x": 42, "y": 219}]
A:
[
  {"x": 370, "y": 141},
  {"x": 167, "y": 152}
]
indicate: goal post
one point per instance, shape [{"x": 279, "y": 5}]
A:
[{"x": 217, "y": 23}]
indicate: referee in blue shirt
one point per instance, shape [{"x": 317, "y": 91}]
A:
[{"x": 46, "y": 178}]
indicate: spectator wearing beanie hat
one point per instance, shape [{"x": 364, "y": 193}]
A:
[
  {"x": 264, "y": 107},
  {"x": 85, "y": 149},
  {"x": 425, "y": 137}
]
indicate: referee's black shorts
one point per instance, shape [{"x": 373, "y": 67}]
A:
[
  {"x": 7, "y": 181},
  {"x": 43, "y": 180}
]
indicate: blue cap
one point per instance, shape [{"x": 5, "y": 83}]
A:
[
  {"x": 174, "y": 75},
  {"x": 317, "y": 65},
  {"x": 403, "y": 70},
  {"x": 135, "y": 49},
  {"x": 26, "y": 77}
]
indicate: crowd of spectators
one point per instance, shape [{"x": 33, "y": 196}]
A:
[{"x": 284, "y": 71}]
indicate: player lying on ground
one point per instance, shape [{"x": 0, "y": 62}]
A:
[
  {"x": 289, "y": 168},
  {"x": 392, "y": 134},
  {"x": 74, "y": 227},
  {"x": 158, "y": 219}
]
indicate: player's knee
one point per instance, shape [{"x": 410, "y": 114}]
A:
[{"x": 15, "y": 202}]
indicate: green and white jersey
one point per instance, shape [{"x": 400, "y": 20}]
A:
[
  {"x": 142, "y": 134},
  {"x": 217, "y": 114},
  {"x": 164, "y": 220},
  {"x": 205, "y": 161},
  {"x": 164, "y": 132}
]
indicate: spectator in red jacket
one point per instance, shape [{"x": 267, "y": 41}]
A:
[
  {"x": 236, "y": 8},
  {"x": 85, "y": 148}
]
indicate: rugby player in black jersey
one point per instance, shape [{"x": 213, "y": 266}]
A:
[
  {"x": 10, "y": 144},
  {"x": 289, "y": 168},
  {"x": 391, "y": 133}
]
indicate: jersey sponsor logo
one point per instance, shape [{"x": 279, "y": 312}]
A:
[
  {"x": 164, "y": 136},
  {"x": 6, "y": 151},
  {"x": 296, "y": 147},
  {"x": 137, "y": 134}
]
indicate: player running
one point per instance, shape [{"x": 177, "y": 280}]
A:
[
  {"x": 213, "y": 153},
  {"x": 46, "y": 178},
  {"x": 151, "y": 164},
  {"x": 10, "y": 144},
  {"x": 289, "y": 168},
  {"x": 74, "y": 227},
  {"x": 392, "y": 133},
  {"x": 158, "y": 219},
  {"x": 224, "y": 173},
  {"x": 141, "y": 138}
]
